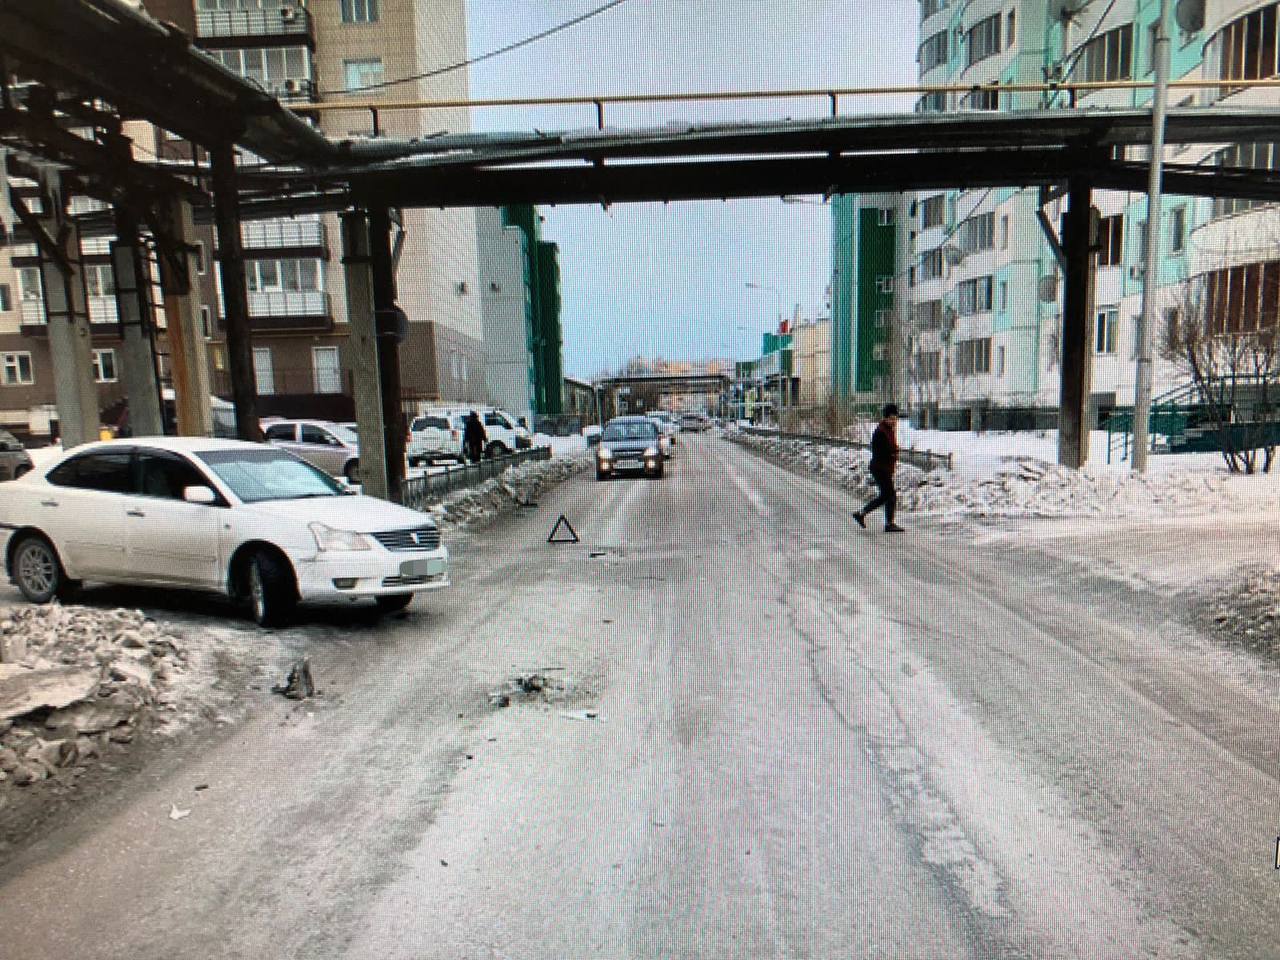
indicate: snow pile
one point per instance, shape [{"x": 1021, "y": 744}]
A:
[
  {"x": 75, "y": 681},
  {"x": 1019, "y": 486},
  {"x": 519, "y": 486}
]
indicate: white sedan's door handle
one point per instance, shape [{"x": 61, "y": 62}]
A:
[
  {"x": 134, "y": 513},
  {"x": 48, "y": 503}
]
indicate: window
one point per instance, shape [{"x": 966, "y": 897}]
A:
[
  {"x": 1244, "y": 50},
  {"x": 263, "y": 374},
  {"x": 1010, "y": 32},
  {"x": 973, "y": 357},
  {"x": 363, "y": 73},
  {"x": 201, "y": 266},
  {"x": 1109, "y": 56},
  {"x": 1111, "y": 241},
  {"x": 206, "y": 321},
  {"x": 929, "y": 365},
  {"x": 104, "y": 366},
  {"x": 977, "y": 233},
  {"x": 327, "y": 369},
  {"x": 1004, "y": 231},
  {"x": 884, "y": 283},
  {"x": 1140, "y": 243},
  {"x": 274, "y": 69},
  {"x": 1177, "y": 229},
  {"x": 928, "y": 314},
  {"x": 983, "y": 39},
  {"x": 167, "y": 475},
  {"x": 1152, "y": 30},
  {"x": 265, "y": 276},
  {"x": 1242, "y": 298},
  {"x": 1104, "y": 331},
  {"x": 1000, "y": 350},
  {"x": 933, "y": 52},
  {"x": 317, "y": 436},
  {"x": 929, "y": 7},
  {"x": 973, "y": 296},
  {"x": 29, "y": 285},
  {"x": 878, "y": 352},
  {"x": 1253, "y": 156},
  {"x": 6, "y": 299},
  {"x": 882, "y": 318},
  {"x": 931, "y": 264},
  {"x": 933, "y": 211},
  {"x": 1004, "y": 296},
  {"x": 886, "y": 216},
  {"x": 932, "y": 103},
  {"x": 106, "y": 472},
  {"x": 985, "y": 98},
  {"x": 99, "y": 280},
  {"x": 359, "y": 11},
  {"x": 15, "y": 370},
  {"x": 282, "y": 432}
]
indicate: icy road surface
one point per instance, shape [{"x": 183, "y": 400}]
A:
[{"x": 778, "y": 736}]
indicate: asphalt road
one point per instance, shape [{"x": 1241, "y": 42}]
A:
[{"x": 780, "y": 736}]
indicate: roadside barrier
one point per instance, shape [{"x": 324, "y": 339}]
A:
[
  {"x": 418, "y": 492},
  {"x": 924, "y": 459}
]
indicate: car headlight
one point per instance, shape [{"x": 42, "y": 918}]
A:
[
  {"x": 327, "y": 538},
  {"x": 651, "y": 452},
  {"x": 605, "y": 453}
]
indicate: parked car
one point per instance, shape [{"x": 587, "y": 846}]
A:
[
  {"x": 247, "y": 520},
  {"x": 629, "y": 444},
  {"x": 435, "y": 436},
  {"x": 14, "y": 459},
  {"x": 667, "y": 429},
  {"x": 330, "y": 446},
  {"x": 506, "y": 433}
]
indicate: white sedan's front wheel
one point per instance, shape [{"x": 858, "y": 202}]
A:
[{"x": 270, "y": 590}]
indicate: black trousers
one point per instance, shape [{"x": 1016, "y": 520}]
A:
[{"x": 887, "y": 498}]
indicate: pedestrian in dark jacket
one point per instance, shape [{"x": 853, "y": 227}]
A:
[
  {"x": 884, "y": 460},
  {"x": 474, "y": 437}
]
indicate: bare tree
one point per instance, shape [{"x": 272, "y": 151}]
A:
[{"x": 1223, "y": 335}]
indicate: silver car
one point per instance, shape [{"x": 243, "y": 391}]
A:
[
  {"x": 329, "y": 446},
  {"x": 14, "y": 459}
]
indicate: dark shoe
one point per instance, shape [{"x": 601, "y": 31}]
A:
[
  {"x": 857, "y": 515},
  {"x": 894, "y": 528}
]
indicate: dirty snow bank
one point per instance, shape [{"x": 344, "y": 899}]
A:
[
  {"x": 79, "y": 680},
  {"x": 519, "y": 486},
  {"x": 1018, "y": 487}
]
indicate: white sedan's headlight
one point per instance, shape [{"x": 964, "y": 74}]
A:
[
  {"x": 651, "y": 452},
  {"x": 327, "y": 538},
  {"x": 605, "y": 453}
]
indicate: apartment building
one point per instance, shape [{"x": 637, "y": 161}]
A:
[
  {"x": 865, "y": 288},
  {"x": 304, "y": 53},
  {"x": 984, "y": 339}
]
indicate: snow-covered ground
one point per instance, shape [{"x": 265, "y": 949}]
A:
[{"x": 1014, "y": 475}]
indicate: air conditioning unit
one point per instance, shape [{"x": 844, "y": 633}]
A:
[{"x": 288, "y": 13}]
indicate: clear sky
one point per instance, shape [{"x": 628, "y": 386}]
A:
[{"x": 672, "y": 280}]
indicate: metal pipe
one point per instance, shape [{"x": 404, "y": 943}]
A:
[{"x": 1142, "y": 384}]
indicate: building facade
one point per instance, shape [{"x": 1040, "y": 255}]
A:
[
  {"x": 864, "y": 292},
  {"x": 983, "y": 342},
  {"x": 813, "y": 364},
  {"x": 507, "y": 299},
  {"x": 303, "y": 54},
  {"x": 542, "y": 278}
]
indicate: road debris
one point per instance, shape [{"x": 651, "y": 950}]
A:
[
  {"x": 299, "y": 685},
  {"x": 579, "y": 714},
  {"x": 176, "y": 814}
]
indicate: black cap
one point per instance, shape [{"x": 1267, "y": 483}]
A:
[{"x": 890, "y": 410}]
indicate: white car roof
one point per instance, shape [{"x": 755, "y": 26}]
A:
[{"x": 176, "y": 444}]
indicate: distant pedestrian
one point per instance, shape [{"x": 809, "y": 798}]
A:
[
  {"x": 474, "y": 437},
  {"x": 884, "y": 460}
]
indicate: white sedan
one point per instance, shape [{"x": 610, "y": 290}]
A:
[{"x": 246, "y": 520}]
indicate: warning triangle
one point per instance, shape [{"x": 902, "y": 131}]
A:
[{"x": 569, "y": 536}]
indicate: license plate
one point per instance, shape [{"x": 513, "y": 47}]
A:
[
  {"x": 421, "y": 568},
  {"x": 628, "y": 463}
]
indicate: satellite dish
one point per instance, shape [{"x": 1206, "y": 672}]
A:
[{"x": 1189, "y": 15}]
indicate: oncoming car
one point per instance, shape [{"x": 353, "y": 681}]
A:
[
  {"x": 246, "y": 520},
  {"x": 629, "y": 444}
]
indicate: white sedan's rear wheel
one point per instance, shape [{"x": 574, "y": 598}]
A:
[{"x": 37, "y": 570}]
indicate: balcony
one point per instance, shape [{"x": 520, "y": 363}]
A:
[
  {"x": 285, "y": 310},
  {"x": 285, "y": 235},
  {"x": 103, "y": 314},
  {"x": 262, "y": 25},
  {"x": 292, "y": 89}
]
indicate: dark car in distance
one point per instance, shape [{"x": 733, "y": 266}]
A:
[
  {"x": 14, "y": 459},
  {"x": 629, "y": 444}
]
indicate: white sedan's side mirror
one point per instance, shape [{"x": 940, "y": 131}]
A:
[{"x": 201, "y": 495}]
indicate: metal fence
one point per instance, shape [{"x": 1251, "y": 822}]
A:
[
  {"x": 924, "y": 459},
  {"x": 419, "y": 492}
]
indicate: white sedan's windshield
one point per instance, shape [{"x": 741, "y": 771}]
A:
[
  {"x": 630, "y": 431},
  {"x": 267, "y": 474},
  {"x": 344, "y": 434}
]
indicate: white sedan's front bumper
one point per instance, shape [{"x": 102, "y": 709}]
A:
[{"x": 352, "y": 574}]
